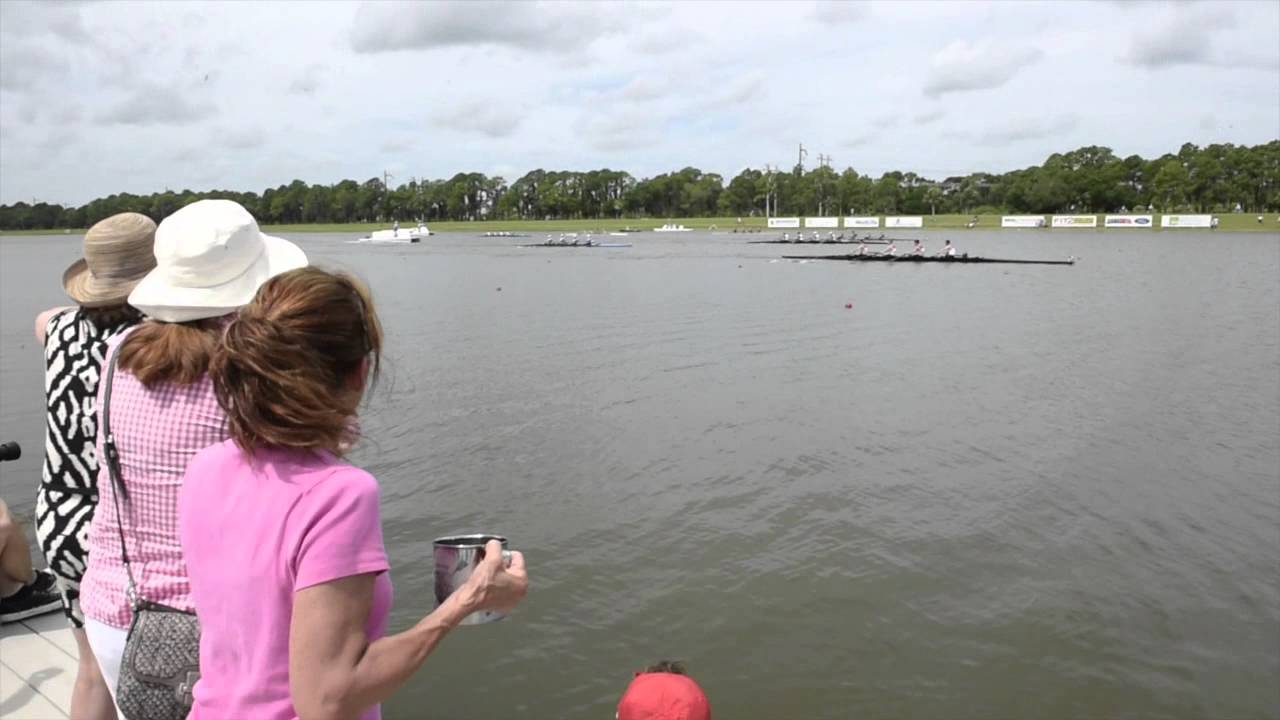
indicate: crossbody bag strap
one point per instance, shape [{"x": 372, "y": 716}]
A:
[{"x": 113, "y": 469}]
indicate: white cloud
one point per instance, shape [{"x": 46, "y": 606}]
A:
[
  {"x": 962, "y": 66},
  {"x": 240, "y": 138},
  {"x": 618, "y": 129},
  {"x": 928, "y": 117},
  {"x": 481, "y": 117},
  {"x": 396, "y": 145},
  {"x": 1183, "y": 36},
  {"x": 839, "y": 12},
  {"x": 308, "y": 81},
  {"x": 1027, "y": 128},
  {"x": 647, "y": 88},
  {"x": 154, "y": 105},
  {"x": 860, "y": 140},
  {"x": 389, "y": 26},
  {"x": 26, "y": 66},
  {"x": 746, "y": 91}
]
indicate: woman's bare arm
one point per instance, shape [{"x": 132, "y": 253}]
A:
[
  {"x": 335, "y": 673},
  {"x": 42, "y": 322}
]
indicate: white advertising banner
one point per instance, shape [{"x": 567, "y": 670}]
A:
[
  {"x": 1128, "y": 221},
  {"x": 1022, "y": 221},
  {"x": 862, "y": 222},
  {"x": 904, "y": 222},
  {"x": 776, "y": 222},
  {"x": 1061, "y": 221},
  {"x": 822, "y": 222},
  {"x": 1186, "y": 221}
]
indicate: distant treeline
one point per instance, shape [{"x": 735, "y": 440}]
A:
[{"x": 1091, "y": 179}]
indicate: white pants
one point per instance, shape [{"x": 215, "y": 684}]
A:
[{"x": 108, "y": 647}]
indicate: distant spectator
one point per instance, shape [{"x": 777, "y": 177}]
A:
[{"x": 664, "y": 692}]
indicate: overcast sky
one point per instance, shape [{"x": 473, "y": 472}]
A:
[{"x": 104, "y": 98}]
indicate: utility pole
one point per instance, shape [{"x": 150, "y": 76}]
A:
[
  {"x": 770, "y": 192},
  {"x": 386, "y": 188},
  {"x": 800, "y": 158},
  {"x": 824, "y": 160}
]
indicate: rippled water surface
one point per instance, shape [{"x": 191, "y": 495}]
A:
[{"x": 982, "y": 492}]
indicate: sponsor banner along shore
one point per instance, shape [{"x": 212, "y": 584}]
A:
[
  {"x": 1063, "y": 221},
  {"x": 1186, "y": 221},
  {"x": 916, "y": 221},
  {"x": 1128, "y": 221},
  {"x": 1022, "y": 221},
  {"x": 788, "y": 222},
  {"x": 822, "y": 222},
  {"x": 862, "y": 222}
]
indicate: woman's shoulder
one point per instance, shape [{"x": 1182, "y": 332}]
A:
[
  {"x": 51, "y": 321},
  {"x": 332, "y": 481}
]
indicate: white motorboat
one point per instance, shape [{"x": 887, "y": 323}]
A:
[
  {"x": 397, "y": 235},
  {"x": 673, "y": 228}
]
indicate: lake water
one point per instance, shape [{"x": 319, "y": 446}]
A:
[{"x": 983, "y": 492}]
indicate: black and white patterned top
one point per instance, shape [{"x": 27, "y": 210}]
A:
[{"x": 74, "y": 348}]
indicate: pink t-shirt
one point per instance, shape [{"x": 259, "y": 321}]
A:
[{"x": 254, "y": 532}]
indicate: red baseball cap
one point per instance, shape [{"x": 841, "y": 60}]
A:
[{"x": 663, "y": 696}]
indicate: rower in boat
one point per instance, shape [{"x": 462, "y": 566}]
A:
[
  {"x": 948, "y": 250},
  {"x": 786, "y": 237},
  {"x": 862, "y": 248},
  {"x": 831, "y": 236},
  {"x": 890, "y": 250},
  {"x": 917, "y": 250}
]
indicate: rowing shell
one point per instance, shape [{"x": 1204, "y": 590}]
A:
[
  {"x": 954, "y": 259},
  {"x": 593, "y": 245},
  {"x": 823, "y": 242}
]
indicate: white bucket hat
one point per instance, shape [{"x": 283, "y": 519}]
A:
[{"x": 210, "y": 260}]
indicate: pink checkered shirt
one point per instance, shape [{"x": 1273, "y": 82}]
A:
[{"x": 157, "y": 431}]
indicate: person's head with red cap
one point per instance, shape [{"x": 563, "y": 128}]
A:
[{"x": 664, "y": 692}]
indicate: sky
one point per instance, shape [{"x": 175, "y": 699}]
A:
[{"x": 100, "y": 98}]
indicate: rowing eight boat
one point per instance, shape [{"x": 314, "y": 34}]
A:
[
  {"x": 570, "y": 245},
  {"x": 927, "y": 259},
  {"x": 825, "y": 242}
]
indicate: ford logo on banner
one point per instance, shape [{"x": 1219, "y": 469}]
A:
[{"x": 1142, "y": 221}]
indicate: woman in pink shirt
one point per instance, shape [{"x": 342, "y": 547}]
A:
[
  {"x": 283, "y": 540},
  {"x": 210, "y": 260}
]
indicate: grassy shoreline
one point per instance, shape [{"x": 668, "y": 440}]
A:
[{"x": 1229, "y": 222}]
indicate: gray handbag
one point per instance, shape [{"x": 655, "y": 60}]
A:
[{"x": 161, "y": 662}]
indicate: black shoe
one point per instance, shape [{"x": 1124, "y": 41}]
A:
[
  {"x": 45, "y": 581},
  {"x": 29, "y": 602}
]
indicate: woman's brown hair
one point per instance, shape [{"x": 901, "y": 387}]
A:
[
  {"x": 288, "y": 371},
  {"x": 111, "y": 315},
  {"x": 158, "y": 352}
]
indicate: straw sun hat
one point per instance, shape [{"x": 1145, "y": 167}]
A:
[
  {"x": 116, "y": 255},
  {"x": 210, "y": 260}
]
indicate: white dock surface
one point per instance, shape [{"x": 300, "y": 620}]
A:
[{"x": 37, "y": 668}]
